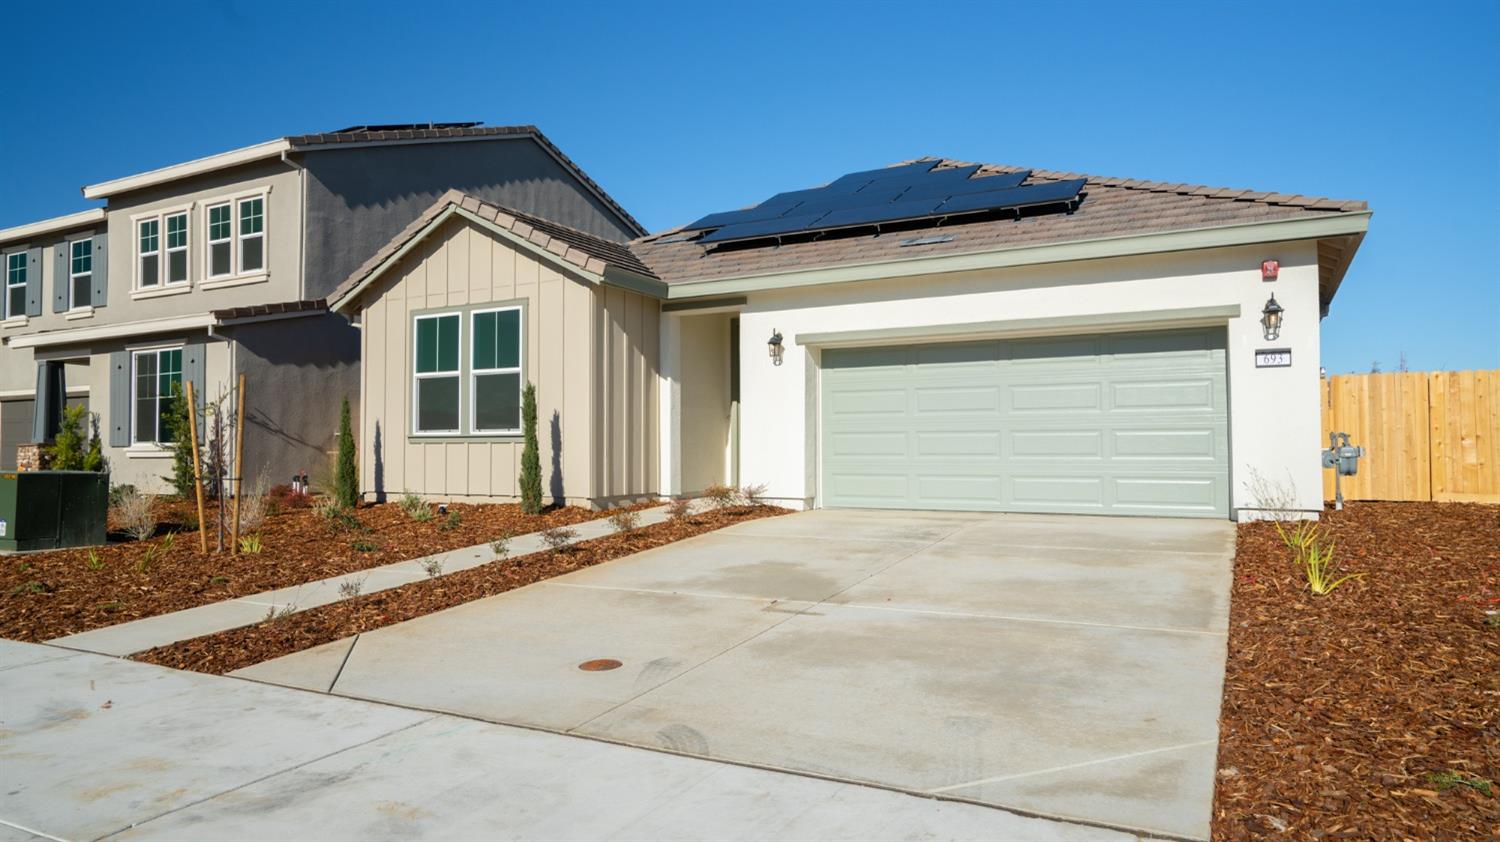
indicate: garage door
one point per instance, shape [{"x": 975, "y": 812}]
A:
[{"x": 1131, "y": 423}]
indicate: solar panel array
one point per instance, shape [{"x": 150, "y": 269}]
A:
[{"x": 874, "y": 197}]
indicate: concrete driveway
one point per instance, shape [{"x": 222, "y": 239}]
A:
[{"x": 1069, "y": 667}]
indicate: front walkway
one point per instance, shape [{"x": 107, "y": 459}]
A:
[
  {"x": 93, "y": 747},
  {"x": 164, "y": 629},
  {"x": 1061, "y": 665}
]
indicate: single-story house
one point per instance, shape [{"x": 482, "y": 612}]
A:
[{"x": 931, "y": 335}]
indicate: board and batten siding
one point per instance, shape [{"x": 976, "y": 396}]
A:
[{"x": 591, "y": 351}]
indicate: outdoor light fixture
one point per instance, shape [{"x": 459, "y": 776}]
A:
[
  {"x": 773, "y": 345},
  {"x": 1270, "y": 317}
]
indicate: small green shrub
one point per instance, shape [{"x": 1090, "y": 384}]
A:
[
  {"x": 218, "y": 580},
  {"x": 1314, "y": 558},
  {"x": 250, "y": 544},
  {"x": 346, "y": 479},
  {"x": 501, "y": 546},
  {"x": 452, "y": 521},
  {"x": 146, "y": 560},
  {"x": 94, "y": 562},
  {"x": 178, "y": 417},
  {"x": 361, "y": 545},
  {"x": 28, "y": 587},
  {"x": 415, "y": 508},
  {"x": 625, "y": 520},
  {"x": 72, "y": 449}
]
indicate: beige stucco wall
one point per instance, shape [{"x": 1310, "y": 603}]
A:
[
  {"x": 590, "y": 350},
  {"x": 705, "y": 407}
]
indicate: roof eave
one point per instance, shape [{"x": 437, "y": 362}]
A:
[
  {"x": 57, "y": 224},
  {"x": 1280, "y": 230},
  {"x": 188, "y": 169}
]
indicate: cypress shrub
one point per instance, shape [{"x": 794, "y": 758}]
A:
[
  {"x": 531, "y": 460},
  {"x": 346, "y": 480}
]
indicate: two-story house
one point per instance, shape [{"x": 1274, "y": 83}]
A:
[{"x": 214, "y": 268}]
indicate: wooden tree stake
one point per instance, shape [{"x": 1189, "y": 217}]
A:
[
  {"x": 197, "y": 469},
  {"x": 239, "y": 462}
]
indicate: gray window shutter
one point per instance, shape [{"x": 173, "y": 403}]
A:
[
  {"x": 60, "y": 278},
  {"x": 34, "y": 282},
  {"x": 192, "y": 370},
  {"x": 119, "y": 399},
  {"x": 39, "y": 406},
  {"x": 101, "y": 270}
]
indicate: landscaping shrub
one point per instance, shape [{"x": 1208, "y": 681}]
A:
[
  {"x": 346, "y": 479},
  {"x": 625, "y": 520},
  {"x": 754, "y": 495},
  {"x": 558, "y": 537},
  {"x": 119, "y": 491},
  {"x": 415, "y": 508},
  {"x": 71, "y": 450},
  {"x": 501, "y": 546},
  {"x": 250, "y": 544},
  {"x": 680, "y": 508},
  {"x": 134, "y": 514},
  {"x": 531, "y": 460},
  {"x": 283, "y": 497},
  {"x": 720, "y": 495},
  {"x": 253, "y": 507},
  {"x": 178, "y": 418}
]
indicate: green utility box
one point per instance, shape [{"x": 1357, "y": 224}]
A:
[{"x": 50, "y": 510}]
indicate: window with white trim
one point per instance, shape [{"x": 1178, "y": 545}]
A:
[
  {"x": 435, "y": 374},
  {"x": 495, "y": 371},
  {"x": 177, "y": 247},
  {"x": 148, "y": 251},
  {"x": 252, "y": 235},
  {"x": 158, "y": 379},
  {"x": 80, "y": 273},
  {"x": 15, "y": 285},
  {"x": 220, "y": 241}
]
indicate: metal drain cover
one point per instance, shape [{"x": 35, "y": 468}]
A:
[{"x": 599, "y": 665}]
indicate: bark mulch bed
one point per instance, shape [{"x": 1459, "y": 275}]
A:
[
  {"x": 236, "y": 648},
  {"x": 1372, "y": 712},
  {"x": 51, "y": 594}
]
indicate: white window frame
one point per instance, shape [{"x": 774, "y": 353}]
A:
[
  {"x": 209, "y": 242},
  {"x": 164, "y": 286},
  {"x": 141, "y": 254},
  {"x": 475, "y": 373},
  {"x": 168, "y": 249},
  {"x": 135, "y": 355},
  {"x": 9, "y": 285},
  {"x": 417, "y": 376},
  {"x": 237, "y": 274},
  {"x": 74, "y": 275},
  {"x": 240, "y": 237}
]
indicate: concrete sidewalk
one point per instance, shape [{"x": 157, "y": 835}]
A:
[
  {"x": 94, "y": 747},
  {"x": 150, "y": 632}
]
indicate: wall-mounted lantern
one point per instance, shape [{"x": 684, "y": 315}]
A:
[
  {"x": 773, "y": 346},
  {"x": 1270, "y": 318}
]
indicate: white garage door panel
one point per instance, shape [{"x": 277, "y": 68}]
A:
[{"x": 1111, "y": 424}]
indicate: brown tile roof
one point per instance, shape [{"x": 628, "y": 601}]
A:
[
  {"x": 582, "y": 249},
  {"x": 441, "y": 132},
  {"x": 1113, "y": 207}
]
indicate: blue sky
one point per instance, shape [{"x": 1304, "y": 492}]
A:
[{"x": 683, "y": 109}]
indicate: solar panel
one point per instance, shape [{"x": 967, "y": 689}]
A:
[
  {"x": 888, "y": 212},
  {"x": 943, "y": 188},
  {"x": 1015, "y": 197},
  {"x": 755, "y": 214},
  {"x": 884, "y": 173},
  {"x": 765, "y": 228}
]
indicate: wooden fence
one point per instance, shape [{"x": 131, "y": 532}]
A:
[{"x": 1429, "y": 435}]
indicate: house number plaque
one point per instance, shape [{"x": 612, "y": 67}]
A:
[{"x": 1273, "y": 357}]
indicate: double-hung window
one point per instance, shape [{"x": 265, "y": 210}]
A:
[
  {"x": 220, "y": 241},
  {"x": 149, "y": 251},
  {"x": 177, "y": 248},
  {"x": 495, "y": 371},
  {"x": 436, "y": 374},
  {"x": 80, "y": 273},
  {"x": 15, "y": 285},
  {"x": 252, "y": 234},
  {"x": 158, "y": 377}
]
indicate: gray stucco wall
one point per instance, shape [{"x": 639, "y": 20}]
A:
[
  {"x": 357, "y": 199},
  {"x": 297, "y": 371}
]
